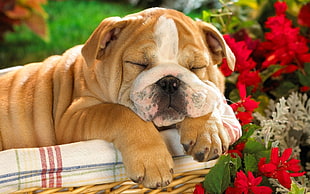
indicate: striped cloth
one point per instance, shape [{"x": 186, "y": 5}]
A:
[{"x": 76, "y": 164}]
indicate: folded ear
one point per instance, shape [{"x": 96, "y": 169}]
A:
[
  {"x": 217, "y": 45},
  {"x": 106, "y": 32}
]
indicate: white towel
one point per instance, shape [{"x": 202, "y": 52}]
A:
[{"x": 76, "y": 164}]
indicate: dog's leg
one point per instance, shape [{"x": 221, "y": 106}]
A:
[
  {"x": 144, "y": 152},
  {"x": 205, "y": 138},
  {"x": 1, "y": 147}
]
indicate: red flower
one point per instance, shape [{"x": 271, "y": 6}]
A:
[
  {"x": 238, "y": 149},
  {"x": 199, "y": 189},
  {"x": 242, "y": 54},
  {"x": 283, "y": 43},
  {"x": 304, "y": 88},
  {"x": 250, "y": 78},
  {"x": 280, "y": 7},
  {"x": 245, "y": 107},
  {"x": 304, "y": 15},
  {"x": 245, "y": 117},
  {"x": 247, "y": 184},
  {"x": 280, "y": 167},
  {"x": 285, "y": 69},
  {"x": 225, "y": 69}
]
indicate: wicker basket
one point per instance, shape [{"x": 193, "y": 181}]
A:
[{"x": 182, "y": 183}]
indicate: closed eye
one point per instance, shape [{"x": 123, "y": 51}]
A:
[
  {"x": 197, "y": 68},
  {"x": 137, "y": 64}
]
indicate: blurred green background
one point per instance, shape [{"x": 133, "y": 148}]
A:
[{"x": 70, "y": 22}]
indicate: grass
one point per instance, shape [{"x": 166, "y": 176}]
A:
[{"x": 70, "y": 23}]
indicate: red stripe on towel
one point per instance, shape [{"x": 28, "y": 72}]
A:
[
  {"x": 233, "y": 132},
  {"x": 59, "y": 167},
  {"x": 52, "y": 166},
  {"x": 44, "y": 167}
]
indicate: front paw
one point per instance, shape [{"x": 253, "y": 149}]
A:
[
  {"x": 205, "y": 138},
  {"x": 151, "y": 166}
]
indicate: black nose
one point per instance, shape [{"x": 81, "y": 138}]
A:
[{"x": 169, "y": 84}]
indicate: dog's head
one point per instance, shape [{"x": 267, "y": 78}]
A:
[{"x": 156, "y": 62}]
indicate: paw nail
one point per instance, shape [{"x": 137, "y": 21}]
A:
[
  {"x": 171, "y": 171},
  {"x": 224, "y": 149},
  {"x": 214, "y": 157},
  {"x": 158, "y": 185},
  {"x": 216, "y": 151},
  {"x": 199, "y": 156},
  {"x": 186, "y": 147},
  {"x": 136, "y": 180},
  {"x": 140, "y": 179},
  {"x": 167, "y": 183}
]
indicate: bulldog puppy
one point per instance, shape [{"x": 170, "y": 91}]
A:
[{"x": 133, "y": 75}]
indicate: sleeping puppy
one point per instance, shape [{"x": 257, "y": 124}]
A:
[{"x": 133, "y": 76}]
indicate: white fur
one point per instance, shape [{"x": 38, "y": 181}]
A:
[{"x": 167, "y": 40}]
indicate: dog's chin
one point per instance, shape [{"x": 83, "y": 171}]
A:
[{"x": 167, "y": 117}]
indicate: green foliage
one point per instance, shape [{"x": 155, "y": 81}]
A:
[
  {"x": 250, "y": 163},
  {"x": 247, "y": 132},
  {"x": 252, "y": 146},
  {"x": 219, "y": 178},
  {"x": 70, "y": 23},
  {"x": 223, "y": 173},
  {"x": 296, "y": 190},
  {"x": 229, "y": 18},
  {"x": 304, "y": 75}
]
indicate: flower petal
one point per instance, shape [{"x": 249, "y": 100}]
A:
[
  {"x": 286, "y": 154},
  {"x": 233, "y": 190},
  {"x": 199, "y": 189},
  {"x": 297, "y": 174},
  {"x": 241, "y": 180},
  {"x": 280, "y": 7},
  {"x": 268, "y": 169},
  {"x": 275, "y": 156},
  {"x": 261, "y": 190},
  {"x": 304, "y": 15},
  {"x": 293, "y": 165},
  {"x": 284, "y": 178}
]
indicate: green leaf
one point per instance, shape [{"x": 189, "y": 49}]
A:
[
  {"x": 248, "y": 130},
  {"x": 252, "y": 146},
  {"x": 295, "y": 189},
  {"x": 263, "y": 103},
  {"x": 250, "y": 162},
  {"x": 218, "y": 179},
  {"x": 285, "y": 88},
  {"x": 235, "y": 165},
  {"x": 263, "y": 154},
  {"x": 269, "y": 71},
  {"x": 250, "y": 3},
  {"x": 234, "y": 95},
  {"x": 304, "y": 77},
  {"x": 206, "y": 16}
]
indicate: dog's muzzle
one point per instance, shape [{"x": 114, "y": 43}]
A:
[
  {"x": 166, "y": 95},
  {"x": 170, "y": 100}
]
